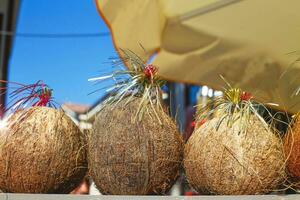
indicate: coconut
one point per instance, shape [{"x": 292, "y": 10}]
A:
[
  {"x": 42, "y": 151},
  {"x": 132, "y": 157},
  {"x": 292, "y": 152},
  {"x": 234, "y": 152},
  {"x": 227, "y": 162}
]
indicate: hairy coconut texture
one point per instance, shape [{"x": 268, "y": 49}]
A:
[
  {"x": 132, "y": 157},
  {"x": 227, "y": 162},
  {"x": 42, "y": 151},
  {"x": 292, "y": 153}
]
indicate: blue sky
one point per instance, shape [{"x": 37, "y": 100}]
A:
[{"x": 64, "y": 64}]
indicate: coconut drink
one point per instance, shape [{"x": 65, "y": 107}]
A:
[
  {"x": 235, "y": 151},
  {"x": 41, "y": 149},
  {"x": 135, "y": 147},
  {"x": 291, "y": 147}
]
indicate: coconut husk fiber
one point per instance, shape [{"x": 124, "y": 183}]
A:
[
  {"x": 41, "y": 151},
  {"x": 292, "y": 152},
  {"x": 226, "y": 161},
  {"x": 131, "y": 157}
]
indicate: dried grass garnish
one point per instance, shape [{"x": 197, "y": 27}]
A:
[
  {"x": 235, "y": 106},
  {"x": 24, "y": 96},
  {"x": 139, "y": 80}
]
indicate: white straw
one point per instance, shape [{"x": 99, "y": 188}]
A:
[{"x": 100, "y": 78}]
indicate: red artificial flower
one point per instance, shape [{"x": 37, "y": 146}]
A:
[
  {"x": 200, "y": 123},
  {"x": 246, "y": 96},
  {"x": 150, "y": 70},
  {"x": 193, "y": 124},
  {"x": 44, "y": 99},
  {"x": 44, "y": 95}
]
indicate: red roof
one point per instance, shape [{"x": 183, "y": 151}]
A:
[{"x": 77, "y": 108}]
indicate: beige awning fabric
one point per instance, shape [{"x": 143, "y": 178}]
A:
[{"x": 251, "y": 43}]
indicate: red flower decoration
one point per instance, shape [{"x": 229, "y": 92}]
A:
[
  {"x": 193, "y": 124},
  {"x": 246, "y": 96},
  {"x": 150, "y": 70},
  {"x": 200, "y": 123},
  {"x": 44, "y": 95}
]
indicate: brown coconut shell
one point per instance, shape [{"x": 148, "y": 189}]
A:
[
  {"x": 131, "y": 157},
  {"x": 41, "y": 151},
  {"x": 227, "y": 162},
  {"x": 292, "y": 152}
]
